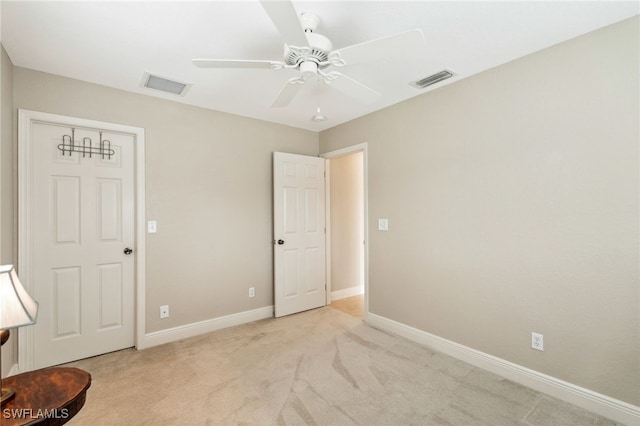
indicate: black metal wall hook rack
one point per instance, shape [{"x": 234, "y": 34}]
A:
[{"x": 68, "y": 145}]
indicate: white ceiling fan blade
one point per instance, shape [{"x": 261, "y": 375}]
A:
[
  {"x": 405, "y": 43},
  {"x": 234, "y": 63},
  {"x": 286, "y": 20},
  {"x": 287, "y": 93},
  {"x": 351, "y": 87}
]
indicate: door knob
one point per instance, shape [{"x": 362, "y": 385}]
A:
[
  {"x": 280, "y": 242},
  {"x": 128, "y": 251}
]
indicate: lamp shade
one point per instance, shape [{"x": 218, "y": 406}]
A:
[{"x": 17, "y": 308}]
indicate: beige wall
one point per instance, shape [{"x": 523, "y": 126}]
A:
[
  {"x": 513, "y": 205},
  {"x": 346, "y": 215},
  {"x": 7, "y": 192},
  {"x": 208, "y": 186}
]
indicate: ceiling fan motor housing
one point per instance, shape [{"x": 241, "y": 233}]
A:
[{"x": 317, "y": 51}]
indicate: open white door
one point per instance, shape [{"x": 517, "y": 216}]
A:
[{"x": 299, "y": 233}]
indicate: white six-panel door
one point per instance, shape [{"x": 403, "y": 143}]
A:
[
  {"x": 83, "y": 220},
  {"x": 299, "y": 233}
]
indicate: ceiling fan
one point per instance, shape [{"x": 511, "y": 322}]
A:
[{"x": 312, "y": 54}]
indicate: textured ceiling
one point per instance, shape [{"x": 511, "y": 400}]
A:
[{"x": 115, "y": 43}]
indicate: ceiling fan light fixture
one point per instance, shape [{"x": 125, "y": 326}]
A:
[{"x": 309, "y": 69}]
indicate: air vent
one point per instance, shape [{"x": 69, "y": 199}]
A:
[
  {"x": 432, "y": 79},
  {"x": 164, "y": 84}
]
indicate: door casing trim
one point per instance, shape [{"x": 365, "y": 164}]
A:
[{"x": 25, "y": 181}]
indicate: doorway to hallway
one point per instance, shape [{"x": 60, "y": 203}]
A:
[{"x": 346, "y": 229}]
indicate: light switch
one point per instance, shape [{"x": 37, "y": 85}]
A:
[
  {"x": 152, "y": 227},
  {"x": 383, "y": 224}
]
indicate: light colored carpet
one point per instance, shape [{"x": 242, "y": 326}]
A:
[{"x": 321, "y": 367}]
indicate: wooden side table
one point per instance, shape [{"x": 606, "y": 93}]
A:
[{"x": 50, "y": 396}]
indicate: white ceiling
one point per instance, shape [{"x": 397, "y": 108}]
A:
[{"x": 114, "y": 43}]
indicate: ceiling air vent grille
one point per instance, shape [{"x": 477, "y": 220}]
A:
[
  {"x": 164, "y": 84},
  {"x": 432, "y": 79}
]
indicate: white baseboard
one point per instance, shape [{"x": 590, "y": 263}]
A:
[
  {"x": 15, "y": 369},
  {"x": 190, "y": 330},
  {"x": 347, "y": 292},
  {"x": 603, "y": 405}
]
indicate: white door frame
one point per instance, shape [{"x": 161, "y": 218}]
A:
[
  {"x": 341, "y": 153},
  {"x": 25, "y": 205}
]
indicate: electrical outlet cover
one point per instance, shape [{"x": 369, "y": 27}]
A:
[
  {"x": 164, "y": 311},
  {"x": 537, "y": 341}
]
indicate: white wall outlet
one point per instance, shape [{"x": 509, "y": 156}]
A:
[
  {"x": 164, "y": 311},
  {"x": 152, "y": 227},
  {"x": 383, "y": 224},
  {"x": 252, "y": 292},
  {"x": 537, "y": 341}
]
